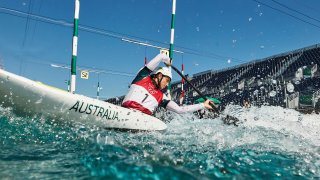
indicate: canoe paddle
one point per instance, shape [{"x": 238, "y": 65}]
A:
[
  {"x": 227, "y": 120},
  {"x": 196, "y": 89}
]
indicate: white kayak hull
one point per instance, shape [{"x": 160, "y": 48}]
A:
[{"x": 30, "y": 97}]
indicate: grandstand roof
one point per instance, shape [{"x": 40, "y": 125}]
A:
[{"x": 258, "y": 60}]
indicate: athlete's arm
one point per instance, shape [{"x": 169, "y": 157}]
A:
[
  {"x": 172, "y": 106},
  {"x": 154, "y": 63}
]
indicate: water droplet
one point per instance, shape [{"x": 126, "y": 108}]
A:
[{"x": 278, "y": 174}]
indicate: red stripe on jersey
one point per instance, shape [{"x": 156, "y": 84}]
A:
[{"x": 137, "y": 106}]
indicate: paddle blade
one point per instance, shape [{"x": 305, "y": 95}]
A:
[{"x": 201, "y": 100}]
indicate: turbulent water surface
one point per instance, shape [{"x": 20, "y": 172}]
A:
[{"x": 268, "y": 143}]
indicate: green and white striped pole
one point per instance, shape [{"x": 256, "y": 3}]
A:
[
  {"x": 74, "y": 47},
  {"x": 172, "y": 28},
  {"x": 98, "y": 90},
  {"x": 172, "y": 39},
  {"x": 98, "y": 87}
]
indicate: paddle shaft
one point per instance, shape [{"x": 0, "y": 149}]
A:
[
  {"x": 196, "y": 89},
  {"x": 228, "y": 119}
]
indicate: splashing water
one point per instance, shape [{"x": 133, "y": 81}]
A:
[{"x": 269, "y": 142}]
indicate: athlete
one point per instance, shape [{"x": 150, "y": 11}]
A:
[{"x": 145, "y": 93}]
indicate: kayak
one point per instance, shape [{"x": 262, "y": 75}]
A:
[{"x": 28, "y": 97}]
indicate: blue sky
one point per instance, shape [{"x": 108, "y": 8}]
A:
[{"x": 214, "y": 34}]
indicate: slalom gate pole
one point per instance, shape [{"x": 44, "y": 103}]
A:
[
  {"x": 74, "y": 47},
  {"x": 172, "y": 38}
]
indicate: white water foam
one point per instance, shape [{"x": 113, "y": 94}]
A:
[
  {"x": 265, "y": 128},
  {"x": 285, "y": 121}
]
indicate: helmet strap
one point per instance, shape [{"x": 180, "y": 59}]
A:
[
  {"x": 157, "y": 84},
  {"x": 159, "y": 81}
]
